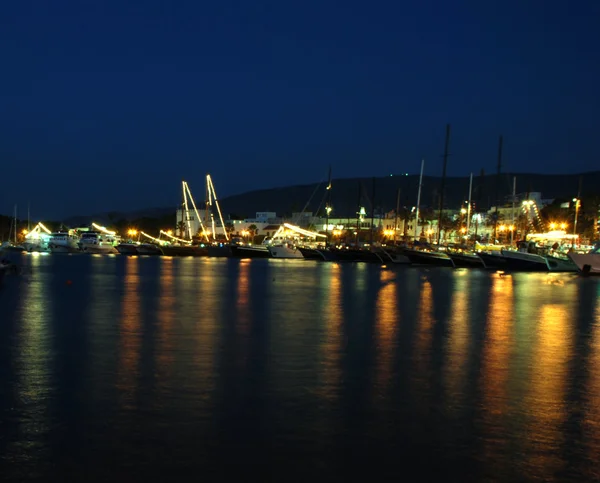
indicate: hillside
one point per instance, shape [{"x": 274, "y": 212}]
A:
[{"x": 345, "y": 195}]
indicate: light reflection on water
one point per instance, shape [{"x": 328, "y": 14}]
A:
[{"x": 129, "y": 359}]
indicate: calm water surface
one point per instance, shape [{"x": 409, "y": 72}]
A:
[{"x": 145, "y": 369}]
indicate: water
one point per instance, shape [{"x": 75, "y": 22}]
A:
[{"x": 143, "y": 369}]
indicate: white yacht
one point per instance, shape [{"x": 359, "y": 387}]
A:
[
  {"x": 284, "y": 250},
  {"x": 95, "y": 242},
  {"x": 588, "y": 263},
  {"x": 63, "y": 242}
]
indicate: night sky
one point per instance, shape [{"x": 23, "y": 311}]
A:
[{"x": 107, "y": 105}]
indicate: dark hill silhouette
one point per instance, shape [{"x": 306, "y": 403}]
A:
[{"x": 345, "y": 194}]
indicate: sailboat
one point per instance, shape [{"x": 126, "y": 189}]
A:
[{"x": 12, "y": 246}]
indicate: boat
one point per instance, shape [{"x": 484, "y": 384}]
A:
[
  {"x": 11, "y": 247},
  {"x": 423, "y": 257},
  {"x": 493, "y": 260},
  {"x": 63, "y": 242},
  {"x": 393, "y": 255},
  {"x": 561, "y": 264},
  {"x": 520, "y": 261},
  {"x": 220, "y": 250},
  {"x": 466, "y": 260},
  {"x": 184, "y": 251},
  {"x": 96, "y": 242},
  {"x": 587, "y": 263},
  {"x": 127, "y": 248},
  {"x": 250, "y": 251},
  {"x": 320, "y": 254},
  {"x": 284, "y": 250},
  {"x": 148, "y": 249}
]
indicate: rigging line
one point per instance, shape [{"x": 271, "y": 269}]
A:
[
  {"x": 196, "y": 211},
  {"x": 212, "y": 186},
  {"x": 187, "y": 210}
]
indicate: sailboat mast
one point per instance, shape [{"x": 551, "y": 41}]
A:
[
  {"x": 327, "y": 209},
  {"x": 372, "y": 212},
  {"x": 469, "y": 207},
  {"x": 514, "y": 195},
  {"x": 15, "y": 234},
  {"x": 497, "y": 187},
  {"x": 419, "y": 199},
  {"x": 443, "y": 184},
  {"x": 577, "y": 204},
  {"x": 28, "y": 218},
  {"x": 396, "y": 213},
  {"x": 358, "y": 212}
]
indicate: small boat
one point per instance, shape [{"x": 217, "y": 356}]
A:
[
  {"x": 466, "y": 260},
  {"x": 561, "y": 264},
  {"x": 127, "y": 248},
  {"x": 422, "y": 257},
  {"x": 95, "y": 242},
  {"x": 493, "y": 260},
  {"x": 587, "y": 263},
  {"x": 10, "y": 247},
  {"x": 63, "y": 242},
  {"x": 284, "y": 250},
  {"x": 250, "y": 251},
  {"x": 148, "y": 249},
  {"x": 519, "y": 261},
  {"x": 184, "y": 251}
]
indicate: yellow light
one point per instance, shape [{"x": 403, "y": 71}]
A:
[
  {"x": 511, "y": 227},
  {"x": 337, "y": 232},
  {"x": 463, "y": 230},
  {"x": 552, "y": 226},
  {"x": 430, "y": 231},
  {"x": 245, "y": 233},
  {"x": 502, "y": 227},
  {"x": 169, "y": 232},
  {"x": 563, "y": 226},
  {"x": 463, "y": 211},
  {"x": 132, "y": 232},
  {"x": 25, "y": 231}
]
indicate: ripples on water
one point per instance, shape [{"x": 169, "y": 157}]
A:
[{"x": 274, "y": 370}]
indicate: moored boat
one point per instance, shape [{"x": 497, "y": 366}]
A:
[
  {"x": 465, "y": 260},
  {"x": 250, "y": 251},
  {"x": 127, "y": 248},
  {"x": 422, "y": 257},
  {"x": 284, "y": 250},
  {"x": 519, "y": 261},
  {"x": 587, "y": 263},
  {"x": 63, "y": 242},
  {"x": 148, "y": 249},
  {"x": 99, "y": 243}
]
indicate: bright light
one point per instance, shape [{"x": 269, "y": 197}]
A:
[
  {"x": 463, "y": 230},
  {"x": 25, "y": 231},
  {"x": 103, "y": 229},
  {"x": 430, "y": 231},
  {"x": 502, "y": 227},
  {"x": 169, "y": 232},
  {"x": 463, "y": 211},
  {"x": 552, "y": 226},
  {"x": 132, "y": 232},
  {"x": 328, "y": 209},
  {"x": 511, "y": 228},
  {"x": 563, "y": 226},
  {"x": 337, "y": 232},
  {"x": 388, "y": 233},
  {"x": 245, "y": 233}
]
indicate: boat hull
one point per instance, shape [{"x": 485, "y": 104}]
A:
[
  {"x": 98, "y": 249},
  {"x": 184, "y": 251},
  {"x": 466, "y": 260},
  {"x": 148, "y": 249},
  {"x": 249, "y": 252},
  {"x": 418, "y": 257},
  {"x": 585, "y": 260},
  {"x": 127, "y": 249},
  {"x": 493, "y": 261},
  {"x": 561, "y": 264},
  {"x": 524, "y": 262},
  {"x": 219, "y": 251},
  {"x": 285, "y": 252}
]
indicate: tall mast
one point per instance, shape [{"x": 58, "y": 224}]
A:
[
  {"x": 443, "y": 184},
  {"x": 514, "y": 195},
  {"x": 15, "y": 221},
  {"x": 28, "y": 219},
  {"x": 358, "y": 212},
  {"x": 396, "y": 213},
  {"x": 419, "y": 199},
  {"x": 327, "y": 209},
  {"x": 497, "y": 187},
  {"x": 469, "y": 207},
  {"x": 372, "y": 212},
  {"x": 577, "y": 204}
]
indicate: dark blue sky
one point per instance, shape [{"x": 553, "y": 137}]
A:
[{"x": 109, "y": 104}]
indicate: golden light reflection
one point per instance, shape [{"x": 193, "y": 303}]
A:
[
  {"x": 458, "y": 341},
  {"x": 243, "y": 299},
  {"x": 422, "y": 346},
  {"x": 591, "y": 416},
  {"x": 495, "y": 365},
  {"x": 129, "y": 334},
  {"x": 386, "y": 325},
  {"x": 332, "y": 341},
  {"x": 33, "y": 356},
  {"x": 166, "y": 318},
  {"x": 546, "y": 398}
]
